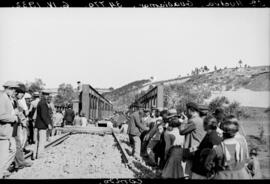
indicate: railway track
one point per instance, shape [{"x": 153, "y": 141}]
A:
[
  {"x": 101, "y": 143},
  {"x": 105, "y": 143}
]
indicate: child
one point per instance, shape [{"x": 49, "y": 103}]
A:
[{"x": 254, "y": 165}]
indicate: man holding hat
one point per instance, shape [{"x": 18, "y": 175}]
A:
[
  {"x": 7, "y": 119},
  {"x": 43, "y": 122},
  {"x": 135, "y": 129},
  {"x": 194, "y": 132}
]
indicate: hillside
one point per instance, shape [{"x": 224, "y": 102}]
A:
[
  {"x": 251, "y": 81},
  {"x": 122, "y": 97}
]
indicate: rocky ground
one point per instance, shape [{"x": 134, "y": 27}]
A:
[{"x": 80, "y": 156}]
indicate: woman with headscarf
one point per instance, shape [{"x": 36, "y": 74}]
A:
[{"x": 227, "y": 160}]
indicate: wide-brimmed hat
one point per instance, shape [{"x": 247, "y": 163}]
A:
[{"x": 11, "y": 84}]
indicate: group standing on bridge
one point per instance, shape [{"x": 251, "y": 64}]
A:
[
  {"x": 195, "y": 144},
  {"x": 26, "y": 123}
]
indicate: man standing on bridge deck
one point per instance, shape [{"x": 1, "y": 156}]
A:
[
  {"x": 135, "y": 129},
  {"x": 43, "y": 122}
]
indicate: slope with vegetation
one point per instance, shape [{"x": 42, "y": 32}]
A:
[{"x": 198, "y": 86}]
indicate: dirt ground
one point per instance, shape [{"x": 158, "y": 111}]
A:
[
  {"x": 251, "y": 128},
  {"x": 80, "y": 156}
]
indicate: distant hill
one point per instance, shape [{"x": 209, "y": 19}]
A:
[
  {"x": 125, "y": 95},
  {"x": 222, "y": 81}
]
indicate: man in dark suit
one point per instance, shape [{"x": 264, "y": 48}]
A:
[
  {"x": 43, "y": 122},
  {"x": 69, "y": 115},
  {"x": 135, "y": 129}
]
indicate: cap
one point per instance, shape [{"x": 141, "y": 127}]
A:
[
  {"x": 11, "y": 84},
  {"x": 45, "y": 92},
  {"x": 203, "y": 107},
  {"x": 193, "y": 106}
]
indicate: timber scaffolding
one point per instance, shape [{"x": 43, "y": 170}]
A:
[
  {"x": 94, "y": 105},
  {"x": 153, "y": 98}
]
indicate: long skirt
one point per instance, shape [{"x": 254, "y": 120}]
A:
[{"x": 173, "y": 166}]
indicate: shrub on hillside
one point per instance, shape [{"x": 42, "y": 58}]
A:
[
  {"x": 177, "y": 96},
  {"x": 229, "y": 107}
]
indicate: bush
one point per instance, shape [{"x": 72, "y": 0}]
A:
[
  {"x": 229, "y": 107},
  {"x": 177, "y": 96}
]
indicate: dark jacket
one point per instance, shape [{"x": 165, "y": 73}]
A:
[
  {"x": 69, "y": 115},
  {"x": 136, "y": 126},
  {"x": 43, "y": 115},
  {"x": 206, "y": 145}
]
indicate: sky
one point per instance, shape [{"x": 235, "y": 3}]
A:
[{"x": 112, "y": 47}]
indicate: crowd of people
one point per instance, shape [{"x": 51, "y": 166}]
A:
[
  {"x": 195, "y": 144},
  {"x": 27, "y": 121}
]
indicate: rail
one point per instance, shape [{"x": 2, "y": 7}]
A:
[
  {"x": 50, "y": 144},
  {"x": 128, "y": 161}
]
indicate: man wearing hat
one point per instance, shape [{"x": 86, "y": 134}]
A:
[
  {"x": 7, "y": 119},
  {"x": 32, "y": 117},
  {"x": 135, "y": 129},
  {"x": 194, "y": 133},
  {"x": 43, "y": 122},
  {"x": 20, "y": 130}
]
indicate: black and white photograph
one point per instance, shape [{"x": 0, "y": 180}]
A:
[{"x": 134, "y": 93}]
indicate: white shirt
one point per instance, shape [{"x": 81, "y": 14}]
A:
[{"x": 22, "y": 104}]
